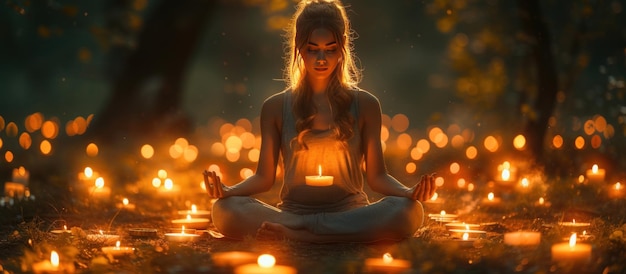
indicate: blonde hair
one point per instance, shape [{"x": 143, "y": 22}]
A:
[{"x": 331, "y": 15}]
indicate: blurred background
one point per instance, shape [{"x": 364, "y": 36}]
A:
[{"x": 149, "y": 71}]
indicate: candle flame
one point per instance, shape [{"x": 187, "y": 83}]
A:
[
  {"x": 100, "y": 182},
  {"x": 618, "y": 186},
  {"x": 443, "y": 213},
  {"x": 465, "y": 236},
  {"x": 101, "y": 232},
  {"x": 573, "y": 221},
  {"x": 506, "y": 174},
  {"x": 54, "y": 258},
  {"x": 182, "y": 231},
  {"x": 194, "y": 209},
  {"x": 466, "y": 227},
  {"x": 584, "y": 232},
  {"x": 188, "y": 217},
  {"x": 572, "y": 240},
  {"x": 266, "y": 261},
  {"x": 125, "y": 201},
  {"x": 542, "y": 201},
  {"x": 319, "y": 170},
  {"x": 64, "y": 227},
  {"x": 525, "y": 183},
  {"x": 435, "y": 196},
  {"x": 88, "y": 172},
  {"x": 117, "y": 244},
  {"x": 594, "y": 169},
  {"x": 168, "y": 184},
  {"x": 490, "y": 196},
  {"x": 387, "y": 258}
]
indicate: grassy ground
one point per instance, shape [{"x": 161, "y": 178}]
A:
[{"x": 25, "y": 238}]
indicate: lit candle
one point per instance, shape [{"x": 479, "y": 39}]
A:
[
  {"x": 233, "y": 258},
  {"x": 571, "y": 251},
  {"x": 126, "y": 204},
  {"x": 319, "y": 179},
  {"x": 103, "y": 237},
  {"x": 386, "y": 264},
  {"x": 491, "y": 200},
  {"x": 435, "y": 202},
  {"x": 53, "y": 265},
  {"x": 99, "y": 190},
  {"x": 573, "y": 226},
  {"x": 117, "y": 250},
  {"x": 61, "y": 231},
  {"x": 595, "y": 174},
  {"x": 192, "y": 223},
  {"x": 266, "y": 264},
  {"x": 541, "y": 202},
  {"x": 522, "y": 238},
  {"x": 461, "y": 225},
  {"x": 14, "y": 189},
  {"x": 169, "y": 189},
  {"x": 20, "y": 175},
  {"x": 443, "y": 217},
  {"x": 196, "y": 213},
  {"x": 471, "y": 233},
  {"x": 616, "y": 191},
  {"x": 181, "y": 237}
]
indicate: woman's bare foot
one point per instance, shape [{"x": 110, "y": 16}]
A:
[{"x": 272, "y": 231}]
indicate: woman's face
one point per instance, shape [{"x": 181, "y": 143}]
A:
[{"x": 321, "y": 55}]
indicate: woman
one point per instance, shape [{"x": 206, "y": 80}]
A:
[{"x": 321, "y": 121}]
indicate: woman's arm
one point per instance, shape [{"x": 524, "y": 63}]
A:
[
  {"x": 376, "y": 172},
  {"x": 263, "y": 179}
]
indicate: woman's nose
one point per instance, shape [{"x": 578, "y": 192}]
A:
[{"x": 321, "y": 58}]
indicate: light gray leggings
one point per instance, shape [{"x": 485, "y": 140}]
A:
[{"x": 390, "y": 218}]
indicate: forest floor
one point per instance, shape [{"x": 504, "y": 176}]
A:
[{"x": 25, "y": 239}]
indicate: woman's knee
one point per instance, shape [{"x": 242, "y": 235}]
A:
[
  {"x": 411, "y": 211},
  {"x": 226, "y": 213}
]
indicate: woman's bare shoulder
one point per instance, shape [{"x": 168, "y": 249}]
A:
[
  {"x": 274, "y": 103},
  {"x": 367, "y": 100}
]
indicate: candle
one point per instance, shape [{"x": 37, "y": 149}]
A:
[
  {"x": 52, "y": 266},
  {"x": 181, "y": 237},
  {"x": 319, "y": 180},
  {"x": 616, "y": 190},
  {"x": 541, "y": 202},
  {"x": 266, "y": 264},
  {"x": 193, "y": 223},
  {"x": 117, "y": 250},
  {"x": 461, "y": 225},
  {"x": 595, "y": 174},
  {"x": 471, "y": 233},
  {"x": 20, "y": 175},
  {"x": 443, "y": 217},
  {"x": 195, "y": 212},
  {"x": 522, "y": 238},
  {"x": 99, "y": 190},
  {"x": 14, "y": 190},
  {"x": 491, "y": 199},
  {"x": 169, "y": 189},
  {"x": 571, "y": 251},
  {"x": 126, "y": 204},
  {"x": 61, "y": 231},
  {"x": 435, "y": 202},
  {"x": 103, "y": 237},
  {"x": 233, "y": 258},
  {"x": 386, "y": 264},
  {"x": 573, "y": 226}
]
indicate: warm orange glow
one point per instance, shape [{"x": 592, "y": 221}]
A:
[
  {"x": 461, "y": 183},
  {"x": 410, "y": 168},
  {"x": 457, "y": 141},
  {"x": 471, "y": 152},
  {"x": 470, "y": 187},
  {"x": 490, "y": 196},
  {"x": 253, "y": 155},
  {"x": 2, "y": 123},
  {"x": 233, "y": 156},
  {"x": 247, "y": 140},
  {"x": 88, "y": 172},
  {"x": 416, "y": 153},
  {"x": 33, "y": 122},
  {"x": 572, "y": 240},
  {"x": 423, "y": 145},
  {"x": 1, "y": 143},
  {"x": 519, "y": 142},
  {"x": 384, "y": 133},
  {"x": 439, "y": 181},
  {"x": 387, "y": 258},
  {"x": 54, "y": 258},
  {"x": 400, "y": 122},
  {"x": 8, "y": 156},
  {"x": 525, "y": 183},
  {"x": 579, "y": 143},
  {"x": 435, "y": 134},
  {"x": 45, "y": 147},
  {"x": 156, "y": 182},
  {"x": 50, "y": 129},
  {"x": 147, "y": 151},
  {"x": 25, "y": 140},
  {"x": 162, "y": 173},
  {"x": 245, "y": 173},
  {"x": 491, "y": 143},
  {"x": 92, "y": 150},
  {"x": 191, "y": 153},
  {"x": 168, "y": 184},
  {"x": 404, "y": 141},
  {"x": 176, "y": 151},
  {"x": 99, "y": 182},
  {"x": 266, "y": 261},
  {"x": 599, "y": 123},
  {"x": 11, "y": 129},
  {"x": 244, "y": 123},
  {"x": 218, "y": 149},
  {"x": 233, "y": 144},
  {"x": 589, "y": 127},
  {"x": 557, "y": 141},
  {"x": 455, "y": 168},
  {"x": 596, "y": 141}
]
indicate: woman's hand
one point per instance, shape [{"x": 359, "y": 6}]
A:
[
  {"x": 425, "y": 188},
  {"x": 213, "y": 184}
]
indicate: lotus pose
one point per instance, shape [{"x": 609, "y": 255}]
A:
[{"x": 321, "y": 121}]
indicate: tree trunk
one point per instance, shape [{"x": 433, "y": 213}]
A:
[
  {"x": 146, "y": 95},
  {"x": 547, "y": 80}
]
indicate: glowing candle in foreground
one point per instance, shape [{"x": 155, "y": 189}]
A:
[
  {"x": 319, "y": 179},
  {"x": 266, "y": 264},
  {"x": 386, "y": 264},
  {"x": 571, "y": 251}
]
